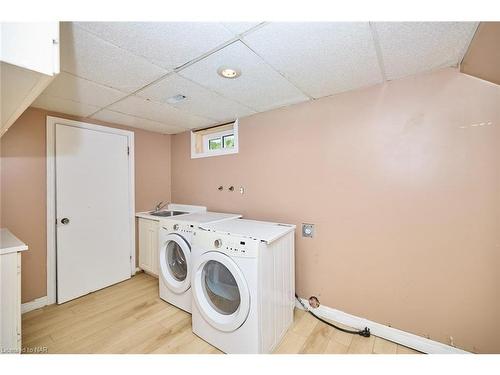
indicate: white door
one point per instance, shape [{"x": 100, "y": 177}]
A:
[
  {"x": 175, "y": 263},
  {"x": 220, "y": 291},
  {"x": 92, "y": 209}
]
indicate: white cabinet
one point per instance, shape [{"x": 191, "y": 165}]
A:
[
  {"x": 10, "y": 292},
  {"x": 148, "y": 245},
  {"x": 29, "y": 60},
  {"x": 31, "y": 45}
]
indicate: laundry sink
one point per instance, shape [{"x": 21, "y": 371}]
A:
[{"x": 167, "y": 213}]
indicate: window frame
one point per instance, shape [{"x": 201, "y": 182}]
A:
[{"x": 207, "y": 137}]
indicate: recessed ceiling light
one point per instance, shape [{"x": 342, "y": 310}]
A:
[
  {"x": 176, "y": 99},
  {"x": 229, "y": 72}
]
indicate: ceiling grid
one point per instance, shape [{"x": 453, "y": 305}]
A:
[
  {"x": 376, "y": 42},
  {"x": 124, "y": 72}
]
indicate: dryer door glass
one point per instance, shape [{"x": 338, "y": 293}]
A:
[
  {"x": 176, "y": 261},
  {"x": 220, "y": 288}
]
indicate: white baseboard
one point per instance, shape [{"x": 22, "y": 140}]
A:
[
  {"x": 410, "y": 340},
  {"x": 35, "y": 304}
]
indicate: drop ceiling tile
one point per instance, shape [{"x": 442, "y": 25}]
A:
[
  {"x": 239, "y": 27},
  {"x": 322, "y": 58},
  {"x": 259, "y": 87},
  {"x": 199, "y": 101},
  {"x": 167, "y": 44},
  {"x": 414, "y": 47},
  {"x": 52, "y": 103},
  {"x": 135, "y": 122},
  {"x": 80, "y": 90},
  {"x": 163, "y": 113},
  {"x": 87, "y": 56}
]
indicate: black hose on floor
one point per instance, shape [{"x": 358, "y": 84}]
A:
[{"x": 364, "y": 332}]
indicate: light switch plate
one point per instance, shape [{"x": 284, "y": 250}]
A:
[{"x": 307, "y": 230}]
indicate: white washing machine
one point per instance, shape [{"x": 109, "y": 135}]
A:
[
  {"x": 243, "y": 284},
  {"x": 175, "y": 236}
]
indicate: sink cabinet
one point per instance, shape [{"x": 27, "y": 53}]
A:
[{"x": 148, "y": 246}]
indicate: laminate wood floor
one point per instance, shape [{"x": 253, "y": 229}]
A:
[{"x": 129, "y": 317}]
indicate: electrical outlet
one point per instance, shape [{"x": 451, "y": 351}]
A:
[{"x": 308, "y": 230}]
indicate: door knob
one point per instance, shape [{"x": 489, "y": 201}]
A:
[{"x": 65, "y": 221}]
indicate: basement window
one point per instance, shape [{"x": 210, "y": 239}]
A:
[{"x": 215, "y": 140}]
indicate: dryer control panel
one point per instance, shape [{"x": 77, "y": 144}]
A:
[
  {"x": 239, "y": 247},
  {"x": 233, "y": 246}
]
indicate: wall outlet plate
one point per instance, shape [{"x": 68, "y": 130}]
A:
[{"x": 308, "y": 230}]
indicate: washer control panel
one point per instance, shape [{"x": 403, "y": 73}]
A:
[{"x": 179, "y": 228}]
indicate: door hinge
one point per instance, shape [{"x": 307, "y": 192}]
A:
[{"x": 128, "y": 150}]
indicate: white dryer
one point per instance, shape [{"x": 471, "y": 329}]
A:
[
  {"x": 175, "y": 236},
  {"x": 243, "y": 284}
]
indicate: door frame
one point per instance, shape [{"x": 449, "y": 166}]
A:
[{"x": 51, "y": 195}]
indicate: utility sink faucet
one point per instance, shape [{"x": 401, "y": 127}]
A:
[{"x": 160, "y": 205}]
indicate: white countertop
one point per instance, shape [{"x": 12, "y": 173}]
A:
[
  {"x": 172, "y": 206},
  {"x": 147, "y": 215},
  {"x": 10, "y": 243},
  {"x": 259, "y": 230},
  {"x": 203, "y": 217}
]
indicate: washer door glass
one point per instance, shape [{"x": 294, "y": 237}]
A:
[
  {"x": 176, "y": 261},
  {"x": 220, "y": 291},
  {"x": 220, "y": 288}
]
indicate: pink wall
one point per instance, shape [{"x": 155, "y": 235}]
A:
[
  {"x": 23, "y": 187},
  {"x": 23, "y": 196},
  {"x": 402, "y": 181}
]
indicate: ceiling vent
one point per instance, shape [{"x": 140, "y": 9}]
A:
[{"x": 176, "y": 99}]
